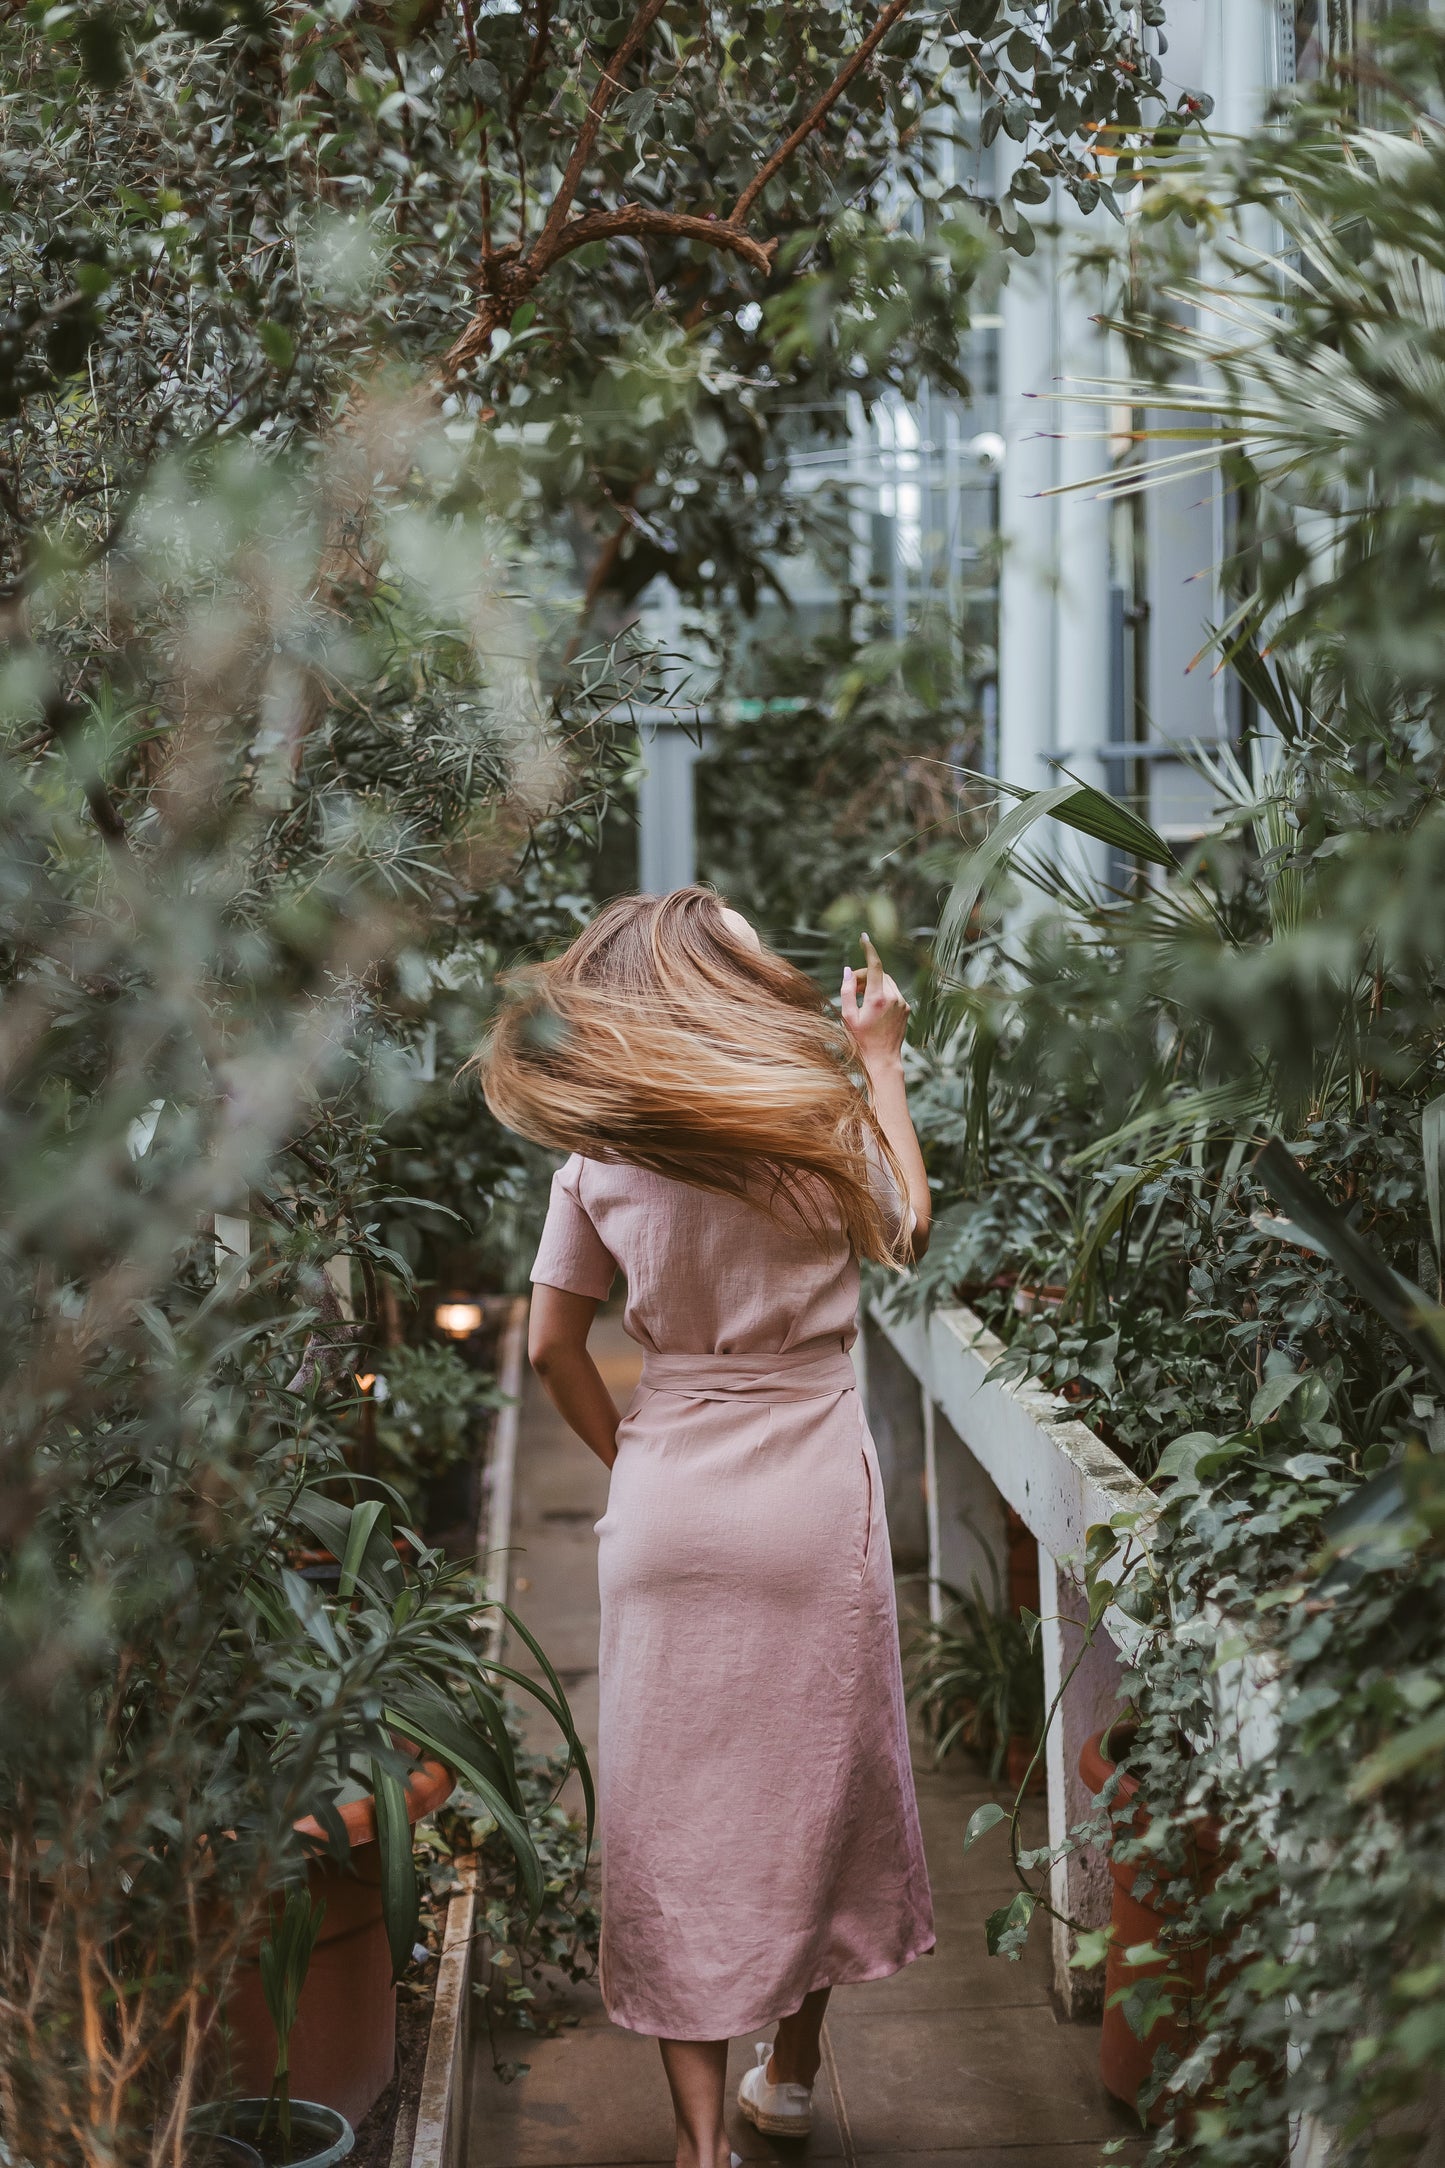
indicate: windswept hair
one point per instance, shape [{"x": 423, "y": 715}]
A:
[{"x": 659, "y": 1040}]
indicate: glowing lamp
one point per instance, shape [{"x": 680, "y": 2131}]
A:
[{"x": 458, "y": 1320}]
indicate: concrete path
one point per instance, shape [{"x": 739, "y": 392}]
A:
[{"x": 956, "y": 2062}]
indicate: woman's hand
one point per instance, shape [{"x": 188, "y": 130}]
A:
[
  {"x": 876, "y": 1019},
  {"x": 875, "y": 1014}
]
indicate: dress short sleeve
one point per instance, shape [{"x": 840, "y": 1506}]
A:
[{"x": 572, "y": 1255}]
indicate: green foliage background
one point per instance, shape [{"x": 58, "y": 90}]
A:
[{"x": 1258, "y": 1332}]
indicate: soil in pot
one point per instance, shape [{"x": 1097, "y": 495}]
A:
[
  {"x": 1179, "y": 1978},
  {"x": 319, "y": 2136},
  {"x": 343, "y": 2048}
]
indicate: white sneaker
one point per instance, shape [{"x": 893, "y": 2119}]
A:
[{"x": 779, "y": 2111}]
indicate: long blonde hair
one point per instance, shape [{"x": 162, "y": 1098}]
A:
[{"x": 660, "y": 1040}]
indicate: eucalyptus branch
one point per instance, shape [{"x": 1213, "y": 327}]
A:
[
  {"x": 510, "y": 275},
  {"x": 536, "y": 61},
  {"x": 608, "y": 84},
  {"x": 813, "y": 120},
  {"x": 634, "y": 218}
]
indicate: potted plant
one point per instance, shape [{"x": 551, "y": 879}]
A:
[
  {"x": 247, "y": 2128},
  {"x": 337, "y": 2031},
  {"x": 976, "y": 1679},
  {"x": 1156, "y": 1971},
  {"x": 276, "y": 2130},
  {"x": 404, "y": 1635}
]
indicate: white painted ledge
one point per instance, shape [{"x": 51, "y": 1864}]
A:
[
  {"x": 439, "y": 2138},
  {"x": 1059, "y": 1478}
]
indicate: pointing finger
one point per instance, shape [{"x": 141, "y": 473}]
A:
[{"x": 877, "y": 978}]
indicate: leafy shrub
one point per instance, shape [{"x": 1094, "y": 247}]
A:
[
  {"x": 429, "y": 1419},
  {"x": 976, "y": 1678},
  {"x": 1245, "y": 1053}
]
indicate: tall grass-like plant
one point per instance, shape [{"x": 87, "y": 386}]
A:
[{"x": 285, "y": 1957}]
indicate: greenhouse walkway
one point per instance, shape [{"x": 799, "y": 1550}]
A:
[{"x": 957, "y": 2062}]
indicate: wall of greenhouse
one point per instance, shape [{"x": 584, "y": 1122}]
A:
[{"x": 1085, "y": 619}]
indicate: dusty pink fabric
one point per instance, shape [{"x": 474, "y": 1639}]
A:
[{"x": 758, "y": 1824}]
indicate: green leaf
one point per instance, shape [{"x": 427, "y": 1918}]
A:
[
  {"x": 982, "y": 867},
  {"x": 1182, "y": 1455},
  {"x": 1077, "y": 805},
  {"x": 1273, "y": 1394},
  {"x": 1006, "y": 1930},
  {"x": 474, "y": 1759},
  {"x": 1106, "y": 1221},
  {"x": 364, "y": 1520},
  {"x": 379, "y": 1569},
  {"x": 982, "y": 1819},
  {"x": 277, "y": 343},
  {"x": 1400, "y": 1756},
  {"x": 311, "y": 1613},
  {"x": 575, "y": 1747},
  {"x": 1283, "y": 1230},
  {"x": 284, "y": 1959},
  {"x": 1397, "y": 1300},
  {"x": 400, "y": 1897},
  {"x": 1091, "y": 1948}
]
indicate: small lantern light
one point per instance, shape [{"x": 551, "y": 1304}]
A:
[{"x": 458, "y": 1320}]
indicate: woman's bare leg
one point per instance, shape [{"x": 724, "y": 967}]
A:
[
  {"x": 696, "y": 2075},
  {"x": 796, "y": 2048}
]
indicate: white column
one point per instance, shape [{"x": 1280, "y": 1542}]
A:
[
  {"x": 1054, "y": 578},
  {"x": 1027, "y": 521},
  {"x": 1079, "y": 1885},
  {"x": 1082, "y": 622},
  {"x": 666, "y": 815}
]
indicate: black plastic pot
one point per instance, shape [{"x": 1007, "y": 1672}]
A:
[{"x": 319, "y": 2136}]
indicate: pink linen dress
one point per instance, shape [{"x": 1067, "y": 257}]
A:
[{"x": 757, "y": 1819}]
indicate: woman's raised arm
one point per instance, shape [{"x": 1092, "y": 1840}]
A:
[{"x": 877, "y": 1024}]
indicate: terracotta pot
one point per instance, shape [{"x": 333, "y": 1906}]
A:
[
  {"x": 1022, "y": 1563},
  {"x": 343, "y": 2050},
  {"x": 1136, "y": 1916},
  {"x": 1030, "y": 1301}
]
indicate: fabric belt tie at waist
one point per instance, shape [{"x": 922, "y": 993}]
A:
[{"x": 797, "y": 1374}]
